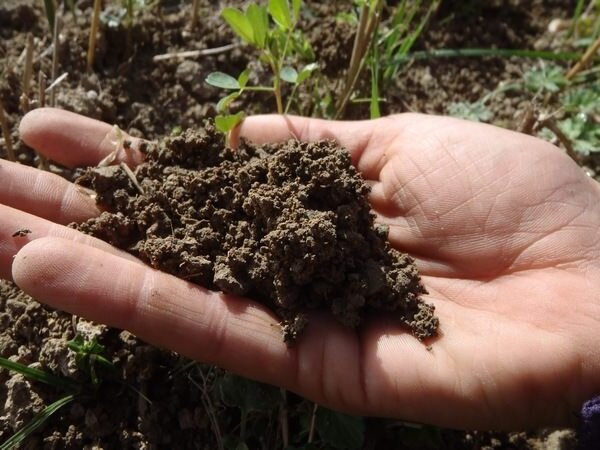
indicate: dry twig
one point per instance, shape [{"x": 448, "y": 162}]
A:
[
  {"x": 10, "y": 152},
  {"x": 585, "y": 59},
  {"x": 194, "y": 53}
]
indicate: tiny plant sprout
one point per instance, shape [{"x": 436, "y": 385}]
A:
[
  {"x": 271, "y": 29},
  {"x": 50, "y": 10}
]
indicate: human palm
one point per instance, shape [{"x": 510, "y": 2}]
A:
[{"x": 505, "y": 230}]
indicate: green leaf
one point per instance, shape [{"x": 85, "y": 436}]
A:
[
  {"x": 289, "y": 74},
  {"x": 280, "y": 12},
  {"x": 476, "y": 112},
  {"x": 227, "y": 123},
  {"x": 35, "y": 423},
  {"x": 550, "y": 79},
  {"x": 248, "y": 395},
  {"x": 38, "y": 375},
  {"x": 239, "y": 23},
  {"x": 243, "y": 78},
  {"x": 259, "y": 21},
  {"x": 340, "y": 430},
  {"x": 50, "y": 10},
  {"x": 296, "y": 8},
  {"x": 226, "y": 101},
  {"x": 306, "y": 72},
  {"x": 222, "y": 80}
]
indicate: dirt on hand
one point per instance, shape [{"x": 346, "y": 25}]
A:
[{"x": 287, "y": 225}]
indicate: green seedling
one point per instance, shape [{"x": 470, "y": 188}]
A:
[
  {"x": 40, "y": 418},
  {"x": 476, "y": 111},
  {"x": 248, "y": 396},
  {"x": 88, "y": 354},
  {"x": 60, "y": 383},
  {"x": 272, "y": 31},
  {"x": 545, "y": 78},
  {"x": 10, "y": 152},
  {"x": 124, "y": 12},
  {"x": 340, "y": 431},
  {"x": 50, "y": 10},
  {"x": 379, "y": 43},
  {"x": 393, "y": 40}
]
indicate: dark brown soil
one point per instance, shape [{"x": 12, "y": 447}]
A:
[{"x": 288, "y": 225}]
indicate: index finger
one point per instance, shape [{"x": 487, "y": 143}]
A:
[{"x": 74, "y": 140}]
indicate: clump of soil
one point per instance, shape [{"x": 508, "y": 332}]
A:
[{"x": 288, "y": 225}]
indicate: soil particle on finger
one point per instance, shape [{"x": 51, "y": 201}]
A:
[{"x": 288, "y": 225}]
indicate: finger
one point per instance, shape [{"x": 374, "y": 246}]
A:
[
  {"x": 74, "y": 140},
  {"x": 44, "y": 194},
  {"x": 233, "y": 333},
  {"x": 17, "y": 228},
  {"x": 363, "y": 139},
  {"x": 158, "y": 307}
]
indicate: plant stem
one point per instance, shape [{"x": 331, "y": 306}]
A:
[
  {"x": 243, "y": 422},
  {"x": 283, "y": 419},
  {"x": 50, "y": 9},
  {"x": 586, "y": 58},
  {"x": 364, "y": 37},
  {"x": 313, "y": 417},
  {"x": 195, "y": 8},
  {"x": 54, "y": 70},
  {"x": 27, "y": 73},
  {"x": 276, "y": 85},
  {"x": 10, "y": 152},
  {"x": 91, "y": 54}
]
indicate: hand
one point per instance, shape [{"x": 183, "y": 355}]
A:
[{"x": 504, "y": 228}]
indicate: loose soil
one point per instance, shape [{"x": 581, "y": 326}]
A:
[
  {"x": 288, "y": 225},
  {"x": 154, "y": 399}
]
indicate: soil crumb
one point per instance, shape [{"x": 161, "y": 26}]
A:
[{"x": 288, "y": 225}]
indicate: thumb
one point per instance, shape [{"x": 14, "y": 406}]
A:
[{"x": 262, "y": 129}]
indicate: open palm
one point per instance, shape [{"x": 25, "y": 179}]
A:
[{"x": 505, "y": 230}]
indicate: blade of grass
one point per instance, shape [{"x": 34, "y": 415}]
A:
[
  {"x": 54, "y": 69},
  {"x": 576, "y": 16},
  {"x": 35, "y": 423},
  {"x": 585, "y": 59},
  {"x": 374, "y": 110},
  {"x": 10, "y": 152},
  {"x": 50, "y": 9},
  {"x": 27, "y": 73},
  {"x": 485, "y": 52},
  {"x": 364, "y": 40},
  {"x": 38, "y": 375}
]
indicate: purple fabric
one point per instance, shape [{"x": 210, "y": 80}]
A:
[{"x": 589, "y": 433}]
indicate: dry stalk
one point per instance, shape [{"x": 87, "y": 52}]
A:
[
  {"x": 27, "y": 74},
  {"x": 585, "y": 59},
  {"x": 367, "y": 26},
  {"x": 313, "y": 419},
  {"x": 91, "y": 53},
  {"x": 10, "y": 152},
  {"x": 550, "y": 123},
  {"x": 44, "y": 164},
  {"x": 283, "y": 419},
  {"x": 195, "y": 8},
  {"x": 209, "y": 407},
  {"x": 41, "y": 89},
  {"x": 55, "y": 45},
  {"x": 527, "y": 121},
  {"x": 194, "y": 53}
]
